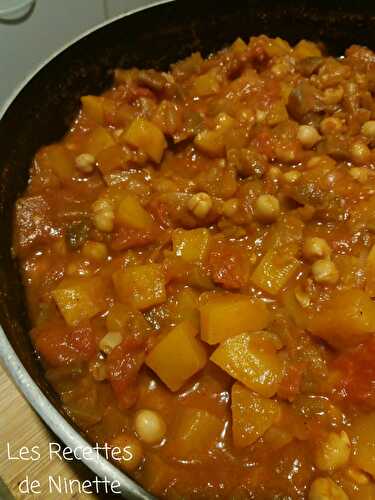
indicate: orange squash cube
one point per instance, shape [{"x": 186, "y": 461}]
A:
[
  {"x": 274, "y": 270},
  {"x": 178, "y": 356},
  {"x": 206, "y": 84},
  {"x": 93, "y": 108},
  {"x": 225, "y": 316},
  {"x": 60, "y": 160},
  {"x": 195, "y": 432},
  {"x": 305, "y": 49},
  {"x": 252, "y": 361},
  {"x": 98, "y": 140},
  {"x": 184, "y": 306},
  {"x": 79, "y": 299},
  {"x": 346, "y": 320},
  {"x": 191, "y": 246},
  {"x": 370, "y": 273},
  {"x": 130, "y": 213},
  {"x": 252, "y": 415},
  {"x": 140, "y": 286},
  {"x": 239, "y": 46},
  {"x": 147, "y": 137},
  {"x": 363, "y": 432},
  {"x": 212, "y": 142}
]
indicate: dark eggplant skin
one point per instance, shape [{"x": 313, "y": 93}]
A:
[{"x": 155, "y": 37}]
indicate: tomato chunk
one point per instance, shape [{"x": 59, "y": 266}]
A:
[
  {"x": 62, "y": 345},
  {"x": 357, "y": 369},
  {"x": 229, "y": 265},
  {"x": 123, "y": 364}
]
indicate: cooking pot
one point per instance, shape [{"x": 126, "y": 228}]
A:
[{"x": 43, "y": 107}]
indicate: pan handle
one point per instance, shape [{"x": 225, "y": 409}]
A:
[{"x": 15, "y": 9}]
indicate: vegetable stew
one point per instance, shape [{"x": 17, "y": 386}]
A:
[{"x": 198, "y": 254}]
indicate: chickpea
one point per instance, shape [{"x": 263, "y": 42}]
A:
[
  {"x": 368, "y": 129},
  {"x": 316, "y": 248},
  {"x": 359, "y": 174},
  {"x": 333, "y": 452},
  {"x": 104, "y": 216},
  {"x": 330, "y": 125},
  {"x": 308, "y": 136},
  {"x": 95, "y": 250},
  {"x": 110, "y": 341},
  {"x": 127, "y": 452},
  {"x": 325, "y": 272},
  {"x": 325, "y": 488},
  {"x": 85, "y": 163},
  {"x": 200, "y": 204},
  {"x": 230, "y": 207},
  {"x": 267, "y": 208},
  {"x": 150, "y": 426},
  {"x": 360, "y": 153}
]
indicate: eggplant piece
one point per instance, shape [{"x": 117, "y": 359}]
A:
[
  {"x": 78, "y": 233},
  {"x": 304, "y": 100}
]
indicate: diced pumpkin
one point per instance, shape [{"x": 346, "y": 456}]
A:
[
  {"x": 178, "y": 356},
  {"x": 157, "y": 474},
  {"x": 363, "y": 432},
  {"x": 345, "y": 320},
  {"x": 196, "y": 432},
  {"x": 206, "y": 84},
  {"x": 130, "y": 213},
  {"x": 92, "y": 107},
  {"x": 252, "y": 361},
  {"x": 252, "y": 415},
  {"x": 277, "y": 47},
  {"x": 191, "y": 246},
  {"x": 286, "y": 235},
  {"x": 140, "y": 286},
  {"x": 212, "y": 142},
  {"x": 274, "y": 271},
  {"x": 370, "y": 273},
  {"x": 111, "y": 159},
  {"x": 239, "y": 46},
  {"x": 277, "y": 113},
  {"x": 98, "y": 140},
  {"x": 305, "y": 49},
  {"x": 225, "y": 316},
  {"x": 147, "y": 137},
  {"x": 80, "y": 298},
  {"x": 185, "y": 306},
  {"x": 60, "y": 160}
]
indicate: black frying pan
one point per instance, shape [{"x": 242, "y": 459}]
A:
[{"x": 42, "y": 110}]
